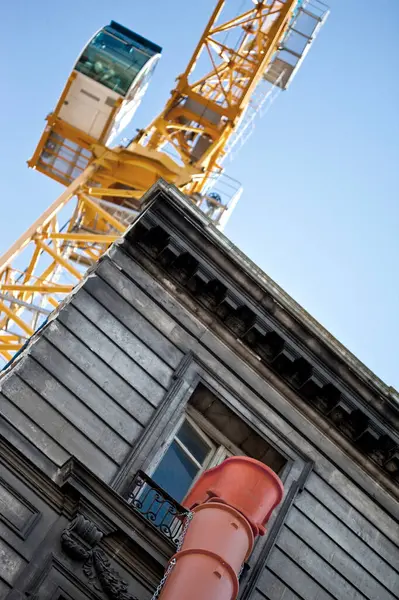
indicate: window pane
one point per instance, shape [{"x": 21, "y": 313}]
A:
[
  {"x": 194, "y": 443},
  {"x": 112, "y": 62},
  {"x": 175, "y": 473}
]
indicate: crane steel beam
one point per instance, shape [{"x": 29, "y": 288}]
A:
[
  {"x": 205, "y": 108},
  {"x": 54, "y": 257}
]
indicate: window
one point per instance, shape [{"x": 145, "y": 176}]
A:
[
  {"x": 190, "y": 452},
  {"x": 206, "y": 434},
  {"x": 112, "y": 60},
  {"x": 158, "y": 493}
]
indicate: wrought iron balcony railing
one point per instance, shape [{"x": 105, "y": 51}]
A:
[{"x": 157, "y": 507}]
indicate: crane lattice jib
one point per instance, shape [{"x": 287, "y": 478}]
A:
[
  {"x": 204, "y": 109},
  {"x": 184, "y": 145}
]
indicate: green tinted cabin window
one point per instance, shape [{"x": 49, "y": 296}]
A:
[{"x": 112, "y": 61}]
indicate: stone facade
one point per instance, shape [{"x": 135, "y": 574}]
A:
[{"x": 174, "y": 321}]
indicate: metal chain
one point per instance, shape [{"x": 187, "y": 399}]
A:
[
  {"x": 172, "y": 563},
  {"x": 164, "y": 578},
  {"x": 187, "y": 521}
]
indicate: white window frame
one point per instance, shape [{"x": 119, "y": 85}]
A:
[{"x": 221, "y": 446}]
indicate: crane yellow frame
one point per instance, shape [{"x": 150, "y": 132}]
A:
[
  {"x": 235, "y": 70},
  {"x": 104, "y": 199}
]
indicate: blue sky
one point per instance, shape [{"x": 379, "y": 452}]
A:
[{"x": 319, "y": 213}]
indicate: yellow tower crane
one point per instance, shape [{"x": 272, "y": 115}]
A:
[{"x": 185, "y": 144}]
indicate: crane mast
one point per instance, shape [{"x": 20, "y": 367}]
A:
[{"x": 185, "y": 145}]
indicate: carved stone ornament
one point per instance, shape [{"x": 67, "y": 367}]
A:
[{"x": 79, "y": 542}]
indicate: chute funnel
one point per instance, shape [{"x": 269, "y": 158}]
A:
[{"x": 230, "y": 505}]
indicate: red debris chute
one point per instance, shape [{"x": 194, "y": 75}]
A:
[{"x": 231, "y": 505}]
